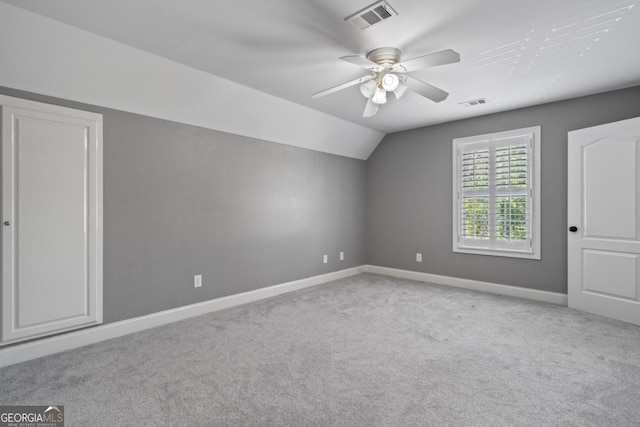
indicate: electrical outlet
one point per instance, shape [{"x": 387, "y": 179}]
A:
[
  {"x": 341, "y": 256},
  {"x": 197, "y": 281},
  {"x": 418, "y": 257},
  {"x": 325, "y": 259}
]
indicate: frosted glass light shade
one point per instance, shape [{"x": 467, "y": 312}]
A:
[
  {"x": 366, "y": 89},
  {"x": 380, "y": 97},
  {"x": 390, "y": 82},
  {"x": 400, "y": 90}
]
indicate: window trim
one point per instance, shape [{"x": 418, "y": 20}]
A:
[{"x": 534, "y": 185}]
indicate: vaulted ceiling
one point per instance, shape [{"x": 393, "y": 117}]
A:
[{"x": 514, "y": 53}]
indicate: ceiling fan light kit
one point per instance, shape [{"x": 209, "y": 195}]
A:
[{"x": 389, "y": 74}]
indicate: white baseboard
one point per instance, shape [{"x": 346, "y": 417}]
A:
[
  {"x": 32, "y": 350},
  {"x": 494, "y": 288}
]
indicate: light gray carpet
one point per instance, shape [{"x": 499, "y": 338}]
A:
[{"x": 363, "y": 351}]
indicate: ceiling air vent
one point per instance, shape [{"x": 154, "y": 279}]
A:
[
  {"x": 474, "y": 102},
  {"x": 371, "y": 15}
]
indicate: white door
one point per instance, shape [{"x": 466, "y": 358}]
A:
[
  {"x": 604, "y": 220},
  {"x": 51, "y": 219}
]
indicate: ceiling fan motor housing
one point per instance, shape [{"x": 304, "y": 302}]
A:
[{"x": 384, "y": 56}]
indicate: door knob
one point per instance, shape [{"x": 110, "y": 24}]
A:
[
  {"x": 6, "y": 223},
  {"x": 573, "y": 229}
]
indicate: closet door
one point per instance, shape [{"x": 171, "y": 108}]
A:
[{"x": 51, "y": 219}]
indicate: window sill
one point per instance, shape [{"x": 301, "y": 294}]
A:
[{"x": 498, "y": 253}]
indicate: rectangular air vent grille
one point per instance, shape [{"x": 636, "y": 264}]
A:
[
  {"x": 372, "y": 15},
  {"x": 382, "y": 12},
  {"x": 474, "y": 102}
]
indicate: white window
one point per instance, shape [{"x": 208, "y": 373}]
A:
[{"x": 496, "y": 194}]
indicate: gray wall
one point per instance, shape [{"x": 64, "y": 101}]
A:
[
  {"x": 181, "y": 200},
  {"x": 409, "y": 182}
]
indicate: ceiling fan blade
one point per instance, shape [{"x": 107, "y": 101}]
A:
[
  {"x": 426, "y": 61},
  {"x": 425, "y": 89},
  {"x": 342, "y": 86},
  {"x": 370, "y": 109},
  {"x": 362, "y": 62}
]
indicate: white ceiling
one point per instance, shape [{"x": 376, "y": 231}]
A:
[{"x": 514, "y": 53}]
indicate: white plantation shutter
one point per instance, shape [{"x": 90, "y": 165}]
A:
[
  {"x": 475, "y": 194},
  {"x": 513, "y": 193},
  {"x": 495, "y": 211}
]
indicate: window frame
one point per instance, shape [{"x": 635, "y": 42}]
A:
[{"x": 493, "y": 246}]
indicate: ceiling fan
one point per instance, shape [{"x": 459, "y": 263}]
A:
[{"x": 389, "y": 74}]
